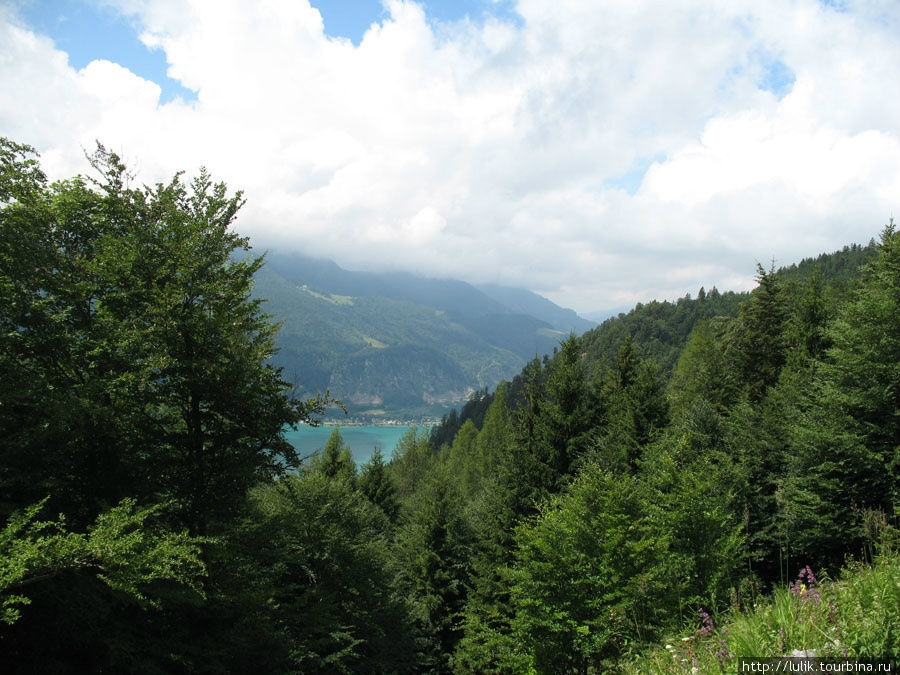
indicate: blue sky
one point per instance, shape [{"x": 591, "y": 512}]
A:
[
  {"x": 351, "y": 18},
  {"x": 89, "y": 29},
  {"x": 598, "y": 152}
]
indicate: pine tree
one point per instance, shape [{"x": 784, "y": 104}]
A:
[
  {"x": 487, "y": 643},
  {"x": 759, "y": 344},
  {"x": 336, "y": 460},
  {"x": 566, "y": 414},
  {"x": 375, "y": 483},
  {"x": 847, "y": 437},
  {"x": 433, "y": 549}
]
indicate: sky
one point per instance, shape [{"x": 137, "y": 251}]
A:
[{"x": 599, "y": 152}]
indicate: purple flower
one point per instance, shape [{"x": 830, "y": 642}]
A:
[
  {"x": 806, "y": 587},
  {"x": 723, "y": 654},
  {"x": 706, "y": 624}
]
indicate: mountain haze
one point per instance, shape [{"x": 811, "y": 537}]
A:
[
  {"x": 448, "y": 295},
  {"x": 396, "y": 344},
  {"x": 526, "y": 302}
]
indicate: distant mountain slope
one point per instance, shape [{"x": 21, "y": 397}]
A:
[
  {"x": 525, "y": 302},
  {"x": 394, "y": 342},
  {"x": 448, "y": 295}
]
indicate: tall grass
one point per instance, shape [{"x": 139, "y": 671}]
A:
[{"x": 857, "y": 616}]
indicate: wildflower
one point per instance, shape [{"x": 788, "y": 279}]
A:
[
  {"x": 806, "y": 586},
  {"x": 723, "y": 654},
  {"x": 706, "y": 626},
  {"x": 810, "y": 577}
]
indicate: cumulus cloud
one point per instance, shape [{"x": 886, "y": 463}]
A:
[{"x": 507, "y": 151}]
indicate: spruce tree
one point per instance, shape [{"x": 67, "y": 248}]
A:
[
  {"x": 847, "y": 440},
  {"x": 375, "y": 483},
  {"x": 759, "y": 344},
  {"x": 336, "y": 460}
]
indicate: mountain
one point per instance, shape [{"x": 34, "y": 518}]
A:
[
  {"x": 395, "y": 344},
  {"x": 448, "y": 295},
  {"x": 526, "y": 302},
  {"x": 660, "y": 329}
]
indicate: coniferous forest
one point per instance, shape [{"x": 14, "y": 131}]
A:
[{"x": 665, "y": 474}]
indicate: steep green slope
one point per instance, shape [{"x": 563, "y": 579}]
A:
[
  {"x": 658, "y": 329},
  {"x": 839, "y": 268},
  {"x": 377, "y": 353},
  {"x": 406, "y": 345}
]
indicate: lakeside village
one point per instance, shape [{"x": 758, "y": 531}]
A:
[{"x": 376, "y": 421}]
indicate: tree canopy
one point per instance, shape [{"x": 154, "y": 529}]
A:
[
  {"x": 681, "y": 458},
  {"x": 136, "y": 395}
]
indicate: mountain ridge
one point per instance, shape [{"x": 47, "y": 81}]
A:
[{"x": 394, "y": 344}]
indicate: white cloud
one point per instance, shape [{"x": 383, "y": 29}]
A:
[{"x": 490, "y": 151}]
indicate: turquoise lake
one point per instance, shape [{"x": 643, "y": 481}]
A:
[{"x": 362, "y": 440}]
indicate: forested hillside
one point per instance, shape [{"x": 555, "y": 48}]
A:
[
  {"x": 397, "y": 345},
  {"x": 610, "y": 502},
  {"x": 378, "y": 354},
  {"x": 659, "y": 330},
  {"x": 154, "y": 519}
]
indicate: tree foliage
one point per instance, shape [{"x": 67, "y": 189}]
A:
[
  {"x": 318, "y": 554},
  {"x": 377, "y": 486},
  {"x": 121, "y": 549},
  {"x": 336, "y": 460},
  {"x": 136, "y": 399},
  {"x": 662, "y": 463},
  {"x": 134, "y": 360}
]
